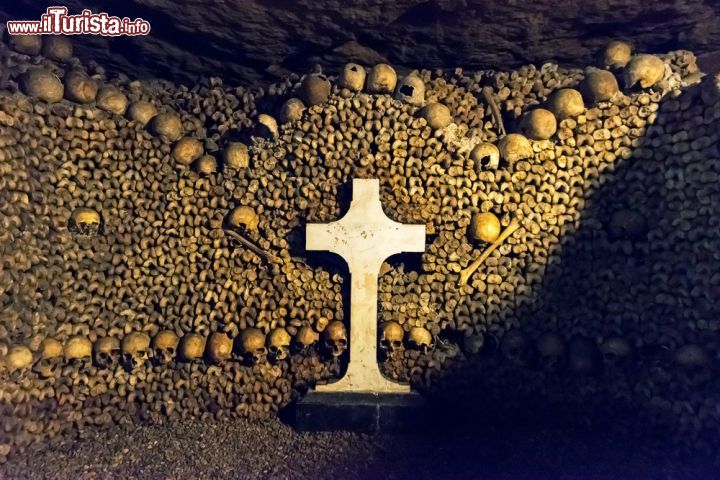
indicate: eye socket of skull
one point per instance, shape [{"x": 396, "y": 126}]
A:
[
  {"x": 165, "y": 354},
  {"x": 77, "y": 362},
  {"x": 278, "y": 353},
  {"x": 102, "y": 359},
  {"x": 44, "y": 368}
]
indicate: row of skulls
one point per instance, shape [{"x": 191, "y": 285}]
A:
[
  {"x": 584, "y": 355},
  {"x": 252, "y": 346},
  {"x": 136, "y": 348},
  {"x": 80, "y": 88}
]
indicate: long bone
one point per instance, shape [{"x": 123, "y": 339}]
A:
[
  {"x": 253, "y": 248},
  {"x": 494, "y": 110},
  {"x": 467, "y": 272}
]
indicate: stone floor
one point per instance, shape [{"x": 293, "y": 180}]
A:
[{"x": 269, "y": 449}]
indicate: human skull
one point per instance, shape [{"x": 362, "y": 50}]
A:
[
  {"x": 106, "y": 352},
  {"x": 315, "y": 89},
  {"x": 78, "y": 349},
  {"x": 616, "y": 54},
  {"x": 191, "y": 347},
  {"x": 352, "y": 77},
  {"x": 18, "y": 358},
  {"x": 51, "y": 354},
  {"x": 51, "y": 348},
  {"x": 599, "y": 85},
  {"x": 566, "y": 103},
  {"x": 26, "y": 44},
  {"x": 615, "y": 350},
  {"x": 538, "y": 124},
  {"x": 244, "y": 217},
  {"x": 112, "y": 100},
  {"x": 484, "y": 227},
  {"x": 292, "y": 110},
  {"x": 436, "y": 115},
  {"x": 206, "y": 165},
  {"x": 43, "y": 84},
  {"x": 644, "y": 69},
  {"x": 79, "y": 87},
  {"x": 551, "y": 349},
  {"x": 514, "y": 147},
  {"x": 57, "y": 47},
  {"x": 141, "y": 111},
  {"x": 85, "y": 221},
  {"x": 164, "y": 347},
  {"x": 335, "y": 338},
  {"x": 381, "y": 79},
  {"x": 391, "y": 338},
  {"x": 421, "y": 339},
  {"x": 583, "y": 356},
  {"x": 219, "y": 347},
  {"x": 135, "y": 347},
  {"x": 187, "y": 150},
  {"x": 236, "y": 155},
  {"x": 515, "y": 346},
  {"x": 278, "y": 344},
  {"x": 166, "y": 125},
  {"x": 252, "y": 346},
  {"x": 694, "y": 363},
  {"x": 305, "y": 338},
  {"x": 411, "y": 90},
  {"x": 485, "y": 156}
]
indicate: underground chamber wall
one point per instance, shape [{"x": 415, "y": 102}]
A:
[{"x": 119, "y": 199}]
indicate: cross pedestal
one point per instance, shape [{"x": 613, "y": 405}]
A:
[{"x": 364, "y": 237}]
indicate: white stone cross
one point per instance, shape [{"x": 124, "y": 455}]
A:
[{"x": 364, "y": 237}]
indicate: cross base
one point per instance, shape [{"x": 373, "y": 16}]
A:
[
  {"x": 361, "y": 378},
  {"x": 359, "y": 412}
]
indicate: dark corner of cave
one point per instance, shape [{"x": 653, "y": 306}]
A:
[{"x": 427, "y": 239}]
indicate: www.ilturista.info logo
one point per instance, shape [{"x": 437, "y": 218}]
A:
[{"x": 56, "y": 21}]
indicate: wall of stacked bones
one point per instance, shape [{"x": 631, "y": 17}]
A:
[{"x": 152, "y": 237}]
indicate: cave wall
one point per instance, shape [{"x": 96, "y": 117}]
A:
[
  {"x": 161, "y": 261},
  {"x": 252, "y": 41}
]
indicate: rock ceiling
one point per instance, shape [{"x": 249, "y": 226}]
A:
[{"x": 252, "y": 42}]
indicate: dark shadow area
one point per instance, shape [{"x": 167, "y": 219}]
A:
[{"x": 493, "y": 415}]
